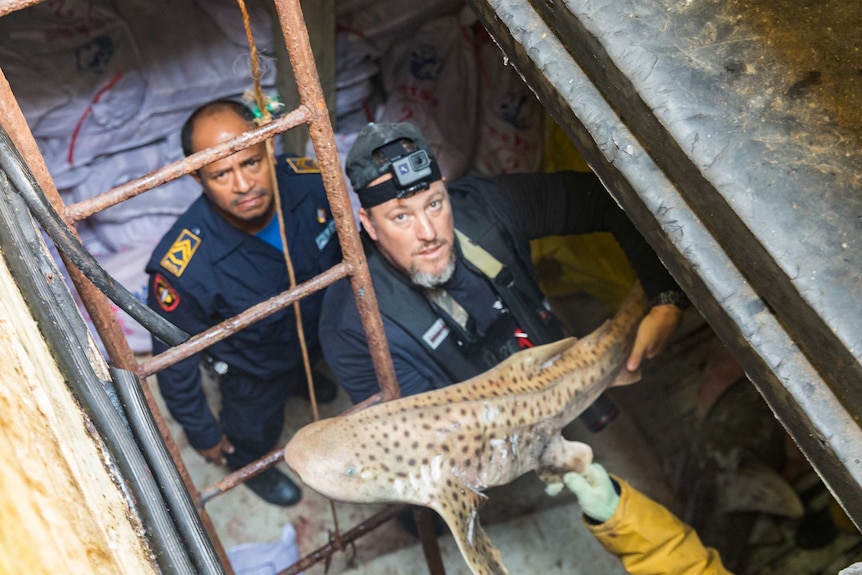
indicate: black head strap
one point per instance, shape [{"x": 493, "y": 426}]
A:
[{"x": 371, "y": 196}]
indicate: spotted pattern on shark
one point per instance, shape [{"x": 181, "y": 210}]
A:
[{"x": 443, "y": 448}]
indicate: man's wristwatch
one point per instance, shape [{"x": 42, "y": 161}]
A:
[{"x": 673, "y": 297}]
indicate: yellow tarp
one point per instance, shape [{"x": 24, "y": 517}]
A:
[{"x": 592, "y": 263}]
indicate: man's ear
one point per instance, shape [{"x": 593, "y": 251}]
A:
[{"x": 367, "y": 223}]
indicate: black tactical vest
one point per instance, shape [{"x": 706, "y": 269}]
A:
[{"x": 510, "y": 277}]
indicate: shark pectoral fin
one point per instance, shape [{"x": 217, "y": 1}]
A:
[
  {"x": 626, "y": 377},
  {"x": 459, "y": 508},
  {"x": 562, "y": 456}
]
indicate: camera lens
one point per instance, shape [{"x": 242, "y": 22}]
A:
[{"x": 419, "y": 160}]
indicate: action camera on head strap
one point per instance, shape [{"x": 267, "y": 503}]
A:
[{"x": 411, "y": 169}]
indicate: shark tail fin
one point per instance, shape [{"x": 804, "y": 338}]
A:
[{"x": 461, "y": 513}]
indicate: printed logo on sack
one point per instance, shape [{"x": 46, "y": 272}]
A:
[
  {"x": 514, "y": 112},
  {"x": 425, "y": 62},
  {"x": 436, "y": 333},
  {"x": 180, "y": 253},
  {"x": 95, "y": 54},
  {"x": 165, "y": 293}
]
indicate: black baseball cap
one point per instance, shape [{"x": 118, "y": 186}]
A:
[{"x": 363, "y": 166}]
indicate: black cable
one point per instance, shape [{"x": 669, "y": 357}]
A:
[
  {"x": 29, "y": 263},
  {"x": 25, "y": 184},
  {"x": 186, "y": 517}
]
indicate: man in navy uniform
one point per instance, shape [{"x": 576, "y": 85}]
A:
[{"x": 223, "y": 255}]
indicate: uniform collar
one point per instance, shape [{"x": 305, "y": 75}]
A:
[
  {"x": 292, "y": 191},
  {"x": 231, "y": 238}
]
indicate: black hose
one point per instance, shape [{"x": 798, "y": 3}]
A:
[
  {"x": 29, "y": 263},
  {"x": 186, "y": 517},
  {"x": 25, "y": 184}
]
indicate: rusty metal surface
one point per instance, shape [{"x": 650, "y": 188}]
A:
[
  {"x": 240, "y": 475},
  {"x": 323, "y": 139},
  {"x": 203, "y": 340},
  {"x": 430, "y": 545},
  {"x": 80, "y": 210},
  {"x": 342, "y": 540},
  {"x": 9, "y": 6}
]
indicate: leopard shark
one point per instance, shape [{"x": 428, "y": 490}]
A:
[{"x": 442, "y": 448}]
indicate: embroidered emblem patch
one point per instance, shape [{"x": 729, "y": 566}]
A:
[
  {"x": 303, "y": 165},
  {"x": 166, "y": 295},
  {"x": 180, "y": 253},
  {"x": 321, "y": 215},
  {"x": 436, "y": 333}
]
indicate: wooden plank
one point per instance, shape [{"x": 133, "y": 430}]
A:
[{"x": 60, "y": 509}]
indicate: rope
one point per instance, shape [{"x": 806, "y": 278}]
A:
[{"x": 265, "y": 117}]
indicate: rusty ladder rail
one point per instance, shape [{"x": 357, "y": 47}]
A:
[{"x": 313, "y": 113}]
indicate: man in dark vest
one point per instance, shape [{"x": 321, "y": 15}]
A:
[{"x": 452, "y": 271}]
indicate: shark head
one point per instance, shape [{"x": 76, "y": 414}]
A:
[
  {"x": 337, "y": 466},
  {"x": 372, "y": 456}
]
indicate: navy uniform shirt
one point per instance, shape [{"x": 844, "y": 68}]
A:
[{"x": 204, "y": 271}]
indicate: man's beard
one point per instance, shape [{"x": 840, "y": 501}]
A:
[{"x": 430, "y": 280}]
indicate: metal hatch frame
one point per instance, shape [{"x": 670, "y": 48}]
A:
[{"x": 790, "y": 349}]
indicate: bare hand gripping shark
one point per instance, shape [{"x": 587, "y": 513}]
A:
[{"x": 442, "y": 448}]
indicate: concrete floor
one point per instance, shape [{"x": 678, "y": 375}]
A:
[{"x": 550, "y": 540}]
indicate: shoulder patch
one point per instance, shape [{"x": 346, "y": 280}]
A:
[
  {"x": 180, "y": 253},
  {"x": 165, "y": 293},
  {"x": 303, "y": 165}
]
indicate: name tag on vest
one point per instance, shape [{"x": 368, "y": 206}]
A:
[
  {"x": 323, "y": 238},
  {"x": 436, "y": 333}
]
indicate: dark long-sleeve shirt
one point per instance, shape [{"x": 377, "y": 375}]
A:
[{"x": 529, "y": 206}]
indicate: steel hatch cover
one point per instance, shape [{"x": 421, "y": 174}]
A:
[{"x": 731, "y": 136}]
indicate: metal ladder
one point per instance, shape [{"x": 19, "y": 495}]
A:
[{"x": 312, "y": 113}]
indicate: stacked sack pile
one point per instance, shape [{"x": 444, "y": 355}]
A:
[{"x": 105, "y": 87}]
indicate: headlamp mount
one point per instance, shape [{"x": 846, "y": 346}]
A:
[{"x": 412, "y": 171}]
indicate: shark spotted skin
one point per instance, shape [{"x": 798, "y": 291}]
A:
[{"x": 442, "y": 448}]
